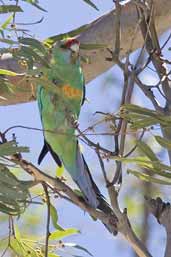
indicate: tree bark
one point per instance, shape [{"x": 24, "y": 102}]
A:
[{"x": 100, "y": 31}]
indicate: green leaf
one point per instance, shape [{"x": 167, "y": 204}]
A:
[
  {"x": 144, "y": 163},
  {"x": 30, "y": 53},
  {"x": 10, "y": 148},
  {"x": 138, "y": 109},
  {"x": 10, "y": 8},
  {"x": 161, "y": 173},
  {"x": 7, "y": 22},
  {"x": 17, "y": 247},
  {"x": 22, "y": 248},
  {"x": 53, "y": 39},
  {"x": 8, "y": 41},
  {"x": 53, "y": 255},
  {"x": 9, "y": 73},
  {"x": 146, "y": 150},
  {"x": 33, "y": 43},
  {"x": 14, "y": 194},
  {"x": 91, "y": 4},
  {"x": 57, "y": 235},
  {"x": 78, "y": 247},
  {"x": 143, "y": 122},
  {"x": 148, "y": 178},
  {"x": 17, "y": 233},
  {"x": 35, "y": 4},
  {"x": 54, "y": 217},
  {"x": 163, "y": 142},
  {"x": 128, "y": 111}
]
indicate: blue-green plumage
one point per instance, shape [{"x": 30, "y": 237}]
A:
[{"x": 57, "y": 110}]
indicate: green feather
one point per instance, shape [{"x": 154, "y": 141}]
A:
[{"x": 57, "y": 108}]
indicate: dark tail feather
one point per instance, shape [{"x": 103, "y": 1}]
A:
[
  {"x": 47, "y": 148},
  {"x": 43, "y": 153},
  {"x": 96, "y": 196},
  {"x": 83, "y": 179}
]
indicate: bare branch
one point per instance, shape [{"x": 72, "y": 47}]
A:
[
  {"x": 162, "y": 212},
  {"x": 100, "y": 31},
  {"x": 124, "y": 226},
  {"x": 48, "y": 219}
]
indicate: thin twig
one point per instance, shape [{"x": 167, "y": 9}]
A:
[
  {"x": 102, "y": 167},
  {"x": 48, "y": 218}
]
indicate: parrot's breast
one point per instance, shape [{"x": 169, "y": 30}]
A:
[{"x": 71, "y": 92}]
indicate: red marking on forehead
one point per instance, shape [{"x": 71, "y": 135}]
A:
[{"x": 71, "y": 42}]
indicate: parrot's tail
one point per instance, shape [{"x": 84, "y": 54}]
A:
[
  {"x": 90, "y": 190},
  {"x": 84, "y": 180}
]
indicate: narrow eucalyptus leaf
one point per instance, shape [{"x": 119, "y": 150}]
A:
[
  {"x": 8, "y": 73},
  {"x": 57, "y": 235},
  {"x": 10, "y": 148},
  {"x": 8, "y": 41},
  {"x": 10, "y": 8},
  {"x": 35, "y": 4},
  {"x": 91, "y": 4},
  {"x": 33, "y": 42},
  {"x": 53, "y": 39},
  {"x": 148, "y": 178},
  {"x": 7, "y": 22},
  {"x": 163, "y": 142},
  {"x": 54, "y": 217},
  {"x": 147, "y": 150}
]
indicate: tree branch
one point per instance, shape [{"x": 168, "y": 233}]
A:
[
  {"x": 100, "y": 31},
  {"x": 162, "y": 212},
  {"x": 123, "y": 225}
]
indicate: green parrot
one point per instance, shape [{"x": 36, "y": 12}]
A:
[{"x": 58, "y": 110}]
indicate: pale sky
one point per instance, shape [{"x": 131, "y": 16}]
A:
[{"x": 63, "y": 16}]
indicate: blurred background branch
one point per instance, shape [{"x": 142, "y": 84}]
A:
[{"x": 100, "y": 31}]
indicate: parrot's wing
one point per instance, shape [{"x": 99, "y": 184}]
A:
[{"x": 47, "y": 148}]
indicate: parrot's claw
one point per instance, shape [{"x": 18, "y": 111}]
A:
[{"x": 74, "y": 122}]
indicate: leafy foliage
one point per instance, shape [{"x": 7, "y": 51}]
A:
[
  {"x": 10, "y": 148},
  {"x": 8, "y": 73},
  {"x": 151, "y": 167},
  {"x": 10, "y": 8},
  {"x": 54, "y": 217},
  {"x": 36, "y": 4},
  {"x": 14, "y": 194},
  {"x": 140, "y": 117}
]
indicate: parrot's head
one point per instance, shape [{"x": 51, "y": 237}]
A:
[
  {"x": 69, "y": 48},
  {"x": 71, "y": 44}
]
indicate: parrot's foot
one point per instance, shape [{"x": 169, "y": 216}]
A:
[{"x": 74, "y": 122}]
